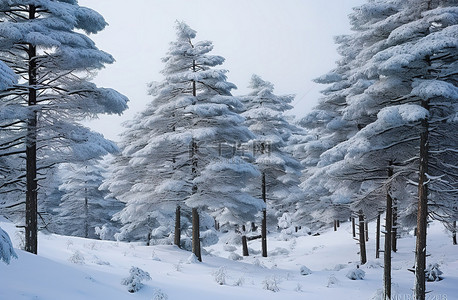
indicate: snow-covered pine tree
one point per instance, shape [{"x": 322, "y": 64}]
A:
[
  {"x": 280, "y": 171},
  {"x": 6, "y": 247},
  {"x": 171, "y": 152},
  {"x": 42, "y": 45},
  {"x": 83, "y": 206},
  {"x": 405, "y": 113}
]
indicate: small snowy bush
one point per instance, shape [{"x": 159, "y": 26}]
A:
[
  {"x": 220, "y": 275},
  {"x": 271, "y": 284},
  {"x": 208, "y": 237},
  {"x": 305, "y": 271},
  {"x": 240, "y": 281},
  {"x": 159, "y": 295},
  {"x": 433, "y": 273},
  {"x": 332, "y": 281},
  {"x": 6, "y": 247},
  {"x": 356, "y": 274},
  {"x": 229, "y": 248},
  {"x": 134, "y": 281},
  {"x": 235, "y": 256},
  {"x": 192, "y": 259},
  {"x": 77, "y": 258}
]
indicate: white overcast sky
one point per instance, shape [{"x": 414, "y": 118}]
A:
[{"x": 286, "y": 42}]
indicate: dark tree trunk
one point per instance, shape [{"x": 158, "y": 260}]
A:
[
  {"x": 362, "y": 238},
  {"x": 31, "y": 209},
  {"x": 244, "y": 242},
  {"x": 196, "y": 234},
  {"x": 353, "y": 226},
  {"x": 454, "y": 233},
  {"x": 388, "y": 230},
  {"x": 177, "y": 238},
  {"x": 422, "y": 213},
  {"x": 86, "y": 214},
  {"x": 394, "y": 235},
  {"x": 335, "y": 225},
  {"x": 366, "y": 230},
  {"x": 377, "y": 238},
  {"x": 338, "y": 223},
  {"x": 264, "y": 218}
]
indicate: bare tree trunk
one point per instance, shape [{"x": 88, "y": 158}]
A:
[
  {"x": 335, "y": 225},
  {"x": 394, "y": 235},
  {"x": 244, "y": 242},
  {"x": 454, "y": 233},
  {"x": 388, "y": 230},
  {"x": 338, "y": 223},
  {"x": 366, "y": 229},
  {"x": 353, "y": 226},
  {"x": 377, "y": 238},
  {"x": 177, "y": 238},
  {"x": 422, "y": 213},
  {"x": 362, "y": 239},
  {"x": 31, "y": 204},
  {"x": 196, "y": 234},
  {"x": 86, "y": 214},
  {"x": 264, "y": 218}
]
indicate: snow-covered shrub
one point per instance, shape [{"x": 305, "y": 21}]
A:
[
  {"x": 229, "y": 248},
  {"x": 298, "y": 287},
  {"x": 332, "y": 281},
  {"x": 258, "y": 263},
  {"x": 373, "y": 264},
  {"x": 159, "y": 295},
  {"x": 284, "y": 221},
  {"x": 240, "y": 281},
  {"x": 234, "y": 256},
  {"x": 134, "y": 281},
  {"x": 192, "y": 259},
  {"x": 356, "y": 274},
  {"x": 106, "y": 232},
  {"x": 6, "y": 247},
  {"x": 232, "y": 238},
  {"x": 433, "y": 273},
  {"x": 271, "y": 284},
  {"x": 208, "y": 237},
  {"x": 254, "y": 251},
  {"x": 220, "y": 275},
  {"x": 305, "y": 271},
  {"x": 186, "y": 243},
  {"x": 77, "y": 258},
  {"x": 178, "y": 266},
  {"x": 279, "y": 251}
]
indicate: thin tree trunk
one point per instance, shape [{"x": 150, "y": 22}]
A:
[
  {"x": 244, "y": 242},
  {"x": 86, "y": 214},
  {"x": 454, "y": 233},
  {"x": 422, "y": 213},
  {"x": 335, "y": 225},
  {"x": 377, "y": 238},
  {"x": 196, "y": 234},
  {"x": 177, "y": 238},
  {"x": 366, "y": 229},
  {"x": 388, "y": 230},
  {"x": 353, "y": 226},
  {"x": 31, "y": 210},
  {"x": 394, "y": 235},
  {"x": 362, "y": 239},
  {"x": 338, "y": 223},
  {"x": 264, "y": 218}
]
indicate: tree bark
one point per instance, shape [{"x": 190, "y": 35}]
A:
[
  {"x": 86, "y": 214},
  {"x": 264, "y": 218},
  {"x": 338, "y": 223},
  {"x": 31, "y": 210},
  {"x": 377, "y": 238},
  {"x": 388, "y": 229},
  {"x": 196, "y": 234},
  {"x": 177, "y": 238},
  {"x": 244, "y": 242},
  {"x": 362, "y": 238},
  {"x": 335, "y": 225},
  {"x": 394, "y": 235},
  {"x": 366, "y": 230},
  {"x": 353, "y": 226},
  {"x": 454, "y": 233},
  {"x": 422, "y": 213}
]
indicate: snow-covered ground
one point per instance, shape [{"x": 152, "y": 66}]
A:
[{"x": 74, "y": 268}]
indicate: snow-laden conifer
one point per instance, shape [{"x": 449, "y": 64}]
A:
[{"x": 43, "y": 43}]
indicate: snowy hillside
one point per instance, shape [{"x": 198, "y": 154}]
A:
[{"x": 75, "y": 268}]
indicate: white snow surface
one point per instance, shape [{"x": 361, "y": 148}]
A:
[{"x": 75, "y": 268}]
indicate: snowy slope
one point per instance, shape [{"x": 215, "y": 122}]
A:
[{"x": 74, "y": 268}]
